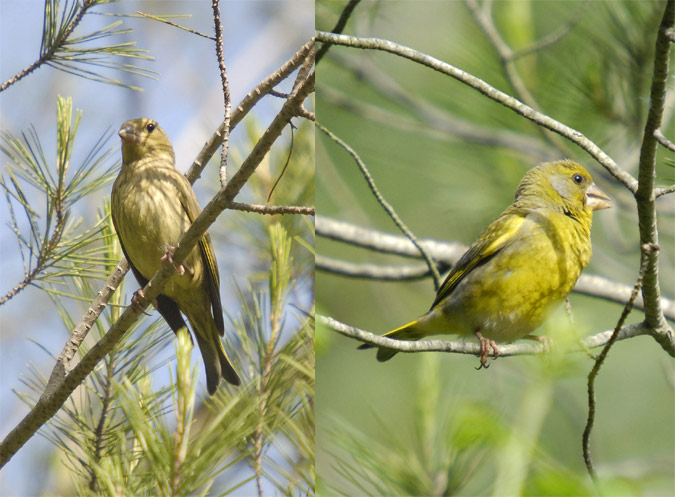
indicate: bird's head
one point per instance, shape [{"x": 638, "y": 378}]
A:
[
  {"x": 143, "y": 137},
  {"x": 563, "y": 186}
]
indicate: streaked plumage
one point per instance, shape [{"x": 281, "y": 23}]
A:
[
  {"x": 152, "y": 206},
  {"x": 521, "y": 266}
]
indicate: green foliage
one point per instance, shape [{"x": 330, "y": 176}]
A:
[
  {"x": 63, "y": 50},
  {"x": 57, "y": 245},
  {"x": 436, "y": 455},
  {"x": 122, "y": 435}
]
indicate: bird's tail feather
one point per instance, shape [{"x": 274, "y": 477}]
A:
[
  {"x": 216, "y": 362},
  {"x": 226, "y": 369},
  {"x": 409, "y": 331}
]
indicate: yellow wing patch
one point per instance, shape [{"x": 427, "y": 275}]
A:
[{"x": 488, "y": 244}]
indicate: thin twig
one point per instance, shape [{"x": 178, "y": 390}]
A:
[
  {"x": 342, "y": 22},
  {"x": 99, "y": 432},
  {"x": 601, "y": 359},
  {"x": 263, "y": 88},
  {"x": 46, "y": 56},
  {"x": 663, "y": 140},
  {"x": 225, "y": 128},
  {"x": 165, "y": 21},
  {"x": 283, "y": 169},
  {"x": 506, "y": 56},
  {"x": 271, "y": 210},
  {"x": 554, "y": 37},
  {"x": 489, "y": 91},
  {"x": 385, "y": 205}
]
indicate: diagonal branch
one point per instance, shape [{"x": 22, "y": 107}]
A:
[
  {"x": 251, "y": 98},
  {"x": 506, "y": 57},
  {"x": 489, "y": 91},
  {"x": 658, "y": 134},
  {"x": 339, "y": 27},
  {"x": 386, "y": 205}
]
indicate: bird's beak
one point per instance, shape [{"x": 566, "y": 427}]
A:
[
  {"x": 128, "y": 134},
  {"x": 596, "y": 198}
]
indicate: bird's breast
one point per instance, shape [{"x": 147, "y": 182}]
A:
[
  {"x": 149, "y": 218},
  {"x": 511, "y": 293}
]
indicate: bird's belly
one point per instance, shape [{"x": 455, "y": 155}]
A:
[
  {"x": 148, "y": 228},
  {"x": 507, "y": 303}
]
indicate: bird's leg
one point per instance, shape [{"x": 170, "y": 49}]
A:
[
  {"x": 138, "y": 300},
  {"x": 169, "y": 257},
  {"x": 485, "y": 345}
]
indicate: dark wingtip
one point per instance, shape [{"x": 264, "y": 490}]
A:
[
  {"x": 231, "y": 376},
  {"x": 212, "y": 385}
]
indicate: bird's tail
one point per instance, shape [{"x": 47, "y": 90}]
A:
[
  {"x": 216, "y": 362},
  {"x": 410, "y": 331}
]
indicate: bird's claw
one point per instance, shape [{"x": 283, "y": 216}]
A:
[
  {"x": 485, "y": 345},
  {"x": 168, "y": 257},
  {"x": 139, "y": 301}
]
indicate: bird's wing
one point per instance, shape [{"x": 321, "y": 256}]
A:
[
  {"x": 192, "y": 209},
  {"x": 495, "y": 237}
]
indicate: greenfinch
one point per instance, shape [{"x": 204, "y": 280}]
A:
[
  {"x": 152, "y": 206},
  {"x": 521, "y": 267}
]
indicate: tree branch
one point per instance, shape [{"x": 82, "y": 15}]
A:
[
  {"x": 645, "y": 196},
  {"x": 373, "y": 271},
  {"x": 80, "y": 331},
  {"x": 505, "y": 350},
  {"x": 489, "y": 91},
  {"x": 251, "y": 98},
  {"x": 506, "y": 56},
  {"x": 271, "y": 210},
  {"x": 447, "y": 253},
  {"x": 663, "y": 140},
  {"x": 339, "y": 26},
  {"x": 386, "y": 205},
  {"x": 225, "y": 128}
]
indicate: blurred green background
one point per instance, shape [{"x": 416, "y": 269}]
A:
[{"x": 429, "y": 424}]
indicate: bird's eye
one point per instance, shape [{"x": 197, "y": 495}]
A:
[
  {"x": 150, "y": 127},
  {"x": 578, "y": 179}
]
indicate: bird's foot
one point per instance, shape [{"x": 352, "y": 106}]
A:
[
  {"x": 485, "y": 345},
  {"x": 139, "y": 301},
  {"x": 168, "y": 257}
]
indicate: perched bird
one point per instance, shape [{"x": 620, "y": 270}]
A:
[
  {"x": 152, "y": 206},
  {"x": 521, "y": 266}
]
